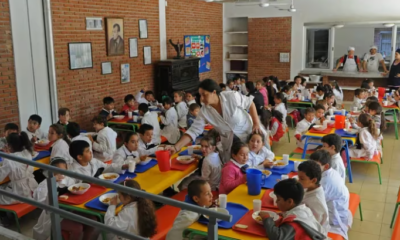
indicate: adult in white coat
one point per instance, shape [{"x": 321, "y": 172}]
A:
[
  {"x": 232, "y": 114},
  {"x": 351, "y": 62}
]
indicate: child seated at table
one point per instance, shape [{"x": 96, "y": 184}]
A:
[
  {"x": 222, "y": 86},
  {"x": 368, "y": 84},
  {"x": 129, "y": 105},
  {"x": 194, "y": 110},
  {"x": 146, "y": 145},
  {"x": 259, "y": 155},
  {"x": 298, "y": 82},
  {"x": 319, "y": 114},
  {"x": 22, "y": 182},
  {"x": 190, "y": 98},
  {"x": 129, "y": 150},
  {"x": 209, "y": 167},
  {"x": 237, "y": 84},
  {"x": 170, "y": 122},
  {"x": 332, "y": 143},
  {"x": 314, "y": 196},
  {"x": 359, "y": 99},
  {"x": 74, "y": 133},
  {"x": 288, "y": 93},
  {"x": 146, "y": 97},
  {"x": 365, "y": 146},
  {"x": 261, "y": 89},
  {"x": 137, "y": 216},
  {"x": 33, "y": 129},
  {"x": 150, "y": 118},
  {"x": 320, "y": 92},
  {"x": 106, "y": 140},
  {"x": 280, "y": 100},
  {"x": 181, "y": 109},
  {"x": 297, "y": 219},
  {"x": 108, "y": 108},
  {"x": 60, "y": 147},
  {"x": 330, "y": 100},
  {"x": 87, "y": 165},
  {"x": 302, "y": 128},
  {"x": 8, "y": 128},
  {"x": 336, "y": 195},
  {"x": 234, "y": 172},
  {"x": 199, "y": 193},
  {"x": 63, "y": 116}
]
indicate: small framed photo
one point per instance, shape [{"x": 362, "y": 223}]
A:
[
  {"x": 125, "y": 73},
  {"x": 147, "y": 55},
  {"x": 106, "y": 68},
  {"x": 133, "y": 47},
  {"x": 94, "y": 23},
  {"x": 80, "y": 55},
  {"x": 142, "y": 28}
]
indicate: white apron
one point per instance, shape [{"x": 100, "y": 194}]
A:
[{"x": 350, "y": 65}]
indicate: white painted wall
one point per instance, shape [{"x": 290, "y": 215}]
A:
[
  {"x": 309, "y": 11},
  {"x": 362, "y": 38}
]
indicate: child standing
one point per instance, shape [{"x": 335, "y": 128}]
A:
[
  {"x": 108, "y": 108},
  {"x": 259, "y": 155},
  {"x": 170, "y": 121},
  {"x": 137, "y": 216},
  {"x": 129, "y": 104},
  {"x": 63, "y": 115},
  {"x": 366, "y": 139},
  {"x": 181, "y": 108},
  {"x": 105, "y": 144},
  {"x": 297, "y": 219},
  {"x": 298, "y": 82},
  {"x": 8, "y": 128},
  {"x": 234, "y": 172},
  {"x": 33, "y": 128},
  {"x": 128, "y": 151},
  {"x": 332, "y": 143},
  {"x": 303, "y": 126},
  {"x": 260, "y": 88},
  {"x": 190, "y": 99},
  {"x": 150, "y": 118},
  {"x": 146, "y": 145},
  {"x": 60, "y": 147}
]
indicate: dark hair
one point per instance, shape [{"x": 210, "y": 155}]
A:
[
  {"x": 147, "y": 220},
  {"x": 236, "y": 146},
  {"x": 320, "y": 88},
  {"x": 100, "y": 120},
  {"x": 210, "y": 140},
  {"x": 11, "y": 126},
  {"x": 278, "y": 115},
  {"x": 73, "y": 129},
  {"x": 144, "y": 128},
  {"x": 60, "y": 130},
  {"x": 372, "y": 99},
  {"x": 303, "y": 80},
  {"x": 76, "y": 148},
  {"x": 229, "y": 82},
  {"x": 116, "y": 25},
  {"x": 291, "y": 84},
  {"x": 210, "y": 85},
  {"x": 265, "y": 117},
  {"x": 57, "y": 161},
  {"x": 236, "y": 78},
  {"x": 128, "y": 136},
  {"x": 180, "y": 93},
  {"x": 193, "y": 107},
  {"x": 333, "y": 140},
  {"x": 250, "y": 86},
  {"x": 143, "y": 107},
  {"x": 214, "y": 134},
  {"x": 319, "y": 106},
  {"x": 19, "y": 142},
  {"x": 309, "y": 110},
  {"x": 365, "y": 83},
  {"x": 63, "y": 111},
  {"x": 296, "y": 77},
  {"x": 329, "y": 95},
  {"x": 128, "y": 98},
  {"x": 253, "y": 134},
  {"x": 285, "y": 88},
  {"x": 367, "y": 121},
  {"x": 222, "y": 85},
  {"x": 376, "y": 106},
  {"x": 108, "y": 100},
  {"x": 148, "y": 93},
  {"x": 275, "y": 80},
  {"x": 358, "y": 91},
  {"x": 336, "y": 85},
  {"x": 36, "y": 118},
  {"x": 311, "y": 169},
  {"x": 290, "y": 189},
  {"x": 194, "y": 188},
  {"x": 168, "y": 101},
  {"x": 280, "y": 96},
  {"x": 322, "y": 156},
  {"x": 191, "y": 93}
]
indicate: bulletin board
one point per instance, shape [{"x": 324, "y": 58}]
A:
[{"x": 199, "y": 46}]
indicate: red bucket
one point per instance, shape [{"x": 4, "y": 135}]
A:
[
  {"x": 164, "y": 160},
  {"x": 340, "y": 121}
]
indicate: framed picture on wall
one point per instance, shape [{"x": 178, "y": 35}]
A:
[
  {"x": 94, "y": 23},
  {"x": 80, "y": 55},
  {"x": 106, "y": 68},
  {"x": 142, "y": 28},
  {"x": 133, "y": 47},
  {"x": 125, "y": 73},
  {"x": 147, "y": 55},
  {"x": 115, "y": 36}
]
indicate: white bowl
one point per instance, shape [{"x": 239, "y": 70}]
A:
[
  {"x": 109, "y": 196},
  {"x": 114, "y": 176},
  {"x": 351, "y": 131},
  {"x": 84, "y": 187},
  {"x": 220, "y": 210},
  {"x": 185, "y": 159},
  {"x": 43, "y": 142},
  {"x": 280, "y": 166},
  {"x": 258, "y": 218},
  {"x": 145, "y": 161},
  {"x": 318, "y": 127},
  {"x": 119, "y": 117}
]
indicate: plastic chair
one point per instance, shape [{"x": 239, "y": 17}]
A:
[{"x": 395, "y": 209}]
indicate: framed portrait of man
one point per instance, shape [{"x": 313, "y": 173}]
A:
[{"x": 115, "y": 36}]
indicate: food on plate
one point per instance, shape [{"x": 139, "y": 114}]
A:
[
  {"x": 108, "y": 177},
  {"x": 80, "y": 188},
  {"x": 64, "y": 197},
  {"x": 241, "y": 226},
  {"x": 185, "y": 158},
  {"x": 106, "y": 200},
  {"x": 258, "y": 218},
  {"x": 196, "y": 147},
  {"x": 279, "y": 164},
  {"x": 266, "y": 172}
]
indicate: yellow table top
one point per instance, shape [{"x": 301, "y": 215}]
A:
[
  {"x": 320, "y": 135},
  {"x": 45, "y": 160}
]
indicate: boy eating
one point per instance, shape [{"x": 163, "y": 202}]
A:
[
  {"x": 303, "y": 126},
  {"x": 8, "y": 128},
  {"x": 359, "y": 98},
  {"x": 199, "y": 193},
  {"x": 106, "y": 140},
  {"x": 297, "y": 219},
  {"x": 150, "y": 118},
  {"x": 33, "y": 128},
  {"x": 332, "y": 143},
  {"x": 63, "y": 116},
  {"x": 108, "y": 108},
  {"x": 194, "y": 110},
  {"x": 129, "y": 104},
  {"x": 146, "y": 145},
  {"x": 319, "y": 114}
]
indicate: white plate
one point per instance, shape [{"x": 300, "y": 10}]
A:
[
  {"x": 80, "y": 192},
  {"x": 145, "y": 161},
  {"x": 107, "y": 195},
  {"x": 279, "y": 167},
  {"x": 351, "y": 131},
  {"x": 318, "y": 127},
  {"x": 115, "y": 176},
  {"x": 272, "y": 214},
  {"x": 221, "y": 210},
  {"x": 43, "y": 142},
  {"x": 185, "y": 159},
  {"x": 119, "y": 116}
]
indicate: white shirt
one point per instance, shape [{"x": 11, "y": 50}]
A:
[
  {"x": 126, "y": 220},
  {"x": 105, "y": 144},
  {"x": 319, "y": 97},
  {"x": 191, "y": 102},
  {"x": 211, "y": 170},
  {"x": 123, "y": 154},
  {"x": 338, "y": 165},
  {"x": 182, "y": 110},
  {"x": 302, "y": 128},
  {"x": 142, "y": 149},
  {"x": 140, "y": 98},
  {"x": 151, "y": 118},
  {"x": 184, "y": 219},
  {"x": 60, "y": 149},
  {"x": 368, "y": 142},
  {"x": 82, "y": 138},
  {"x": 315, "y": 200},
  {"x": 373, "y": 61},
  {"x": 255, "y": 159},
  {"x": 338, "y": 95},
  {"x": 171, "y": 130},
  {"x": 38, "y": 134},
  {"x": 282, "y": 109},
  {"x": 304, "y": 214},
  {"x": 337, "y": 199},
  {"x": 358, "y": 103}
]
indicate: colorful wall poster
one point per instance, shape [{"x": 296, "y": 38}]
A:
[{"x": 199, "y": 46}]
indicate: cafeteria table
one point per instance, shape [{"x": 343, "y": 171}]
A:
[{"x": 300, "y": 104}]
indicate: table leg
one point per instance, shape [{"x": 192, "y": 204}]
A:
[
  {"x": 348, "y": 162},
  {"x": 395, "y": 124},
  {"x": 303, "y": 156}
]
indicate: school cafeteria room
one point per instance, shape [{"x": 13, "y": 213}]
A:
[{"x": 199, "y": 119}]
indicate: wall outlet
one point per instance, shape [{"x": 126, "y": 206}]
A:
[{"x": 284, "y": 57}]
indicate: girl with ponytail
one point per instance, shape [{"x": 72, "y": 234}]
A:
[
  {"x": 60, "y": 147},
  {"x": 137, "y": 215},
  {"x": 366, "y": 139}
]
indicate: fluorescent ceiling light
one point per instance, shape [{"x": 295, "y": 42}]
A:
[
  {"x": 292, "y": 9},
  {"x": 338, "y": 25},
  {"x": 388, "y": 24},
  {"x": 264, "y": 3}
]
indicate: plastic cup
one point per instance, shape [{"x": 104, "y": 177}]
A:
[
  {"x": 223, "y": 200},
  {"x": 164, "y": 160},
  {"x": 190, "y": 150},
  {"x": 256, "y": 205},
  {"x": 296, "y": 166},
  {"x": 135, "y": 118},
  {"x": 344, "y": 112},
  {"x": 285, "y": 157},
  {"x": 315, "y": 88},
  {"x": 331, "y": 111},
  {"x": 284, "y": 177},
  {"x": 129, "y": 114},
  {"x": 132, "y": 166},
  {"x": 385, "y": 103},
  {"x": 355, "y": 109}
]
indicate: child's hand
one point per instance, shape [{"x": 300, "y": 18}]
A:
[
  {"x": 268, "y": 164},
  {"x": 143, "y": 158},
  {"x": 264, "y": 215},
  {"x": 125, "y": 167},
  {"x": 114, "y": 201},
  {"x": 34, "y": 139},
  {"x": 109, "y": 116}
]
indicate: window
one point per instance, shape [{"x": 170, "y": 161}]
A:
[
  {"x": 385, "y": 44},
  {"x": 317, "y": 48}
]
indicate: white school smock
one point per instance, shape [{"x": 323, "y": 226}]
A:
[
  {"x": 338, "y": 95},
  {"x": 368, "y": 142},
  {"x": 302, "y": 128},
  {"x": 357, "y": 102},
  {"x": 105, "y": 144},
  {"x": 337, "y": 199},
  {"x": 22, "y": 181},
  {"x": 38, "y": 134},
  {"x": 255, "y": 159},
  {"x": 338, "y": 165},
  {"x": 60, "y": 148},
  {"x": 144, "y": 150},
  {"x": 82, "y": 138},
  {"x": 282, "y": 109},
  {"x": 140, "y": 98},
  {"x": 182, "y": 111},
  {"x": 170, "y": 130},
  {"x": 315, "y": 200},
  {"x": 184, "y": 219},
  {"x": 123, "y": 154},
  {"x": 93, "y": 166},
  {"x": 126, "y": 220},
  {"x": 191, "y": 102},
  {"x": 151, "y": 118},
  {"x": 211, "y": 170}
]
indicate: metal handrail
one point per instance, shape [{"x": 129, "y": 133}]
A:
[{"x": 55, "y": 212}]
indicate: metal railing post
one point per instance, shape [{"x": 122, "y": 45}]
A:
[
  {"x": 53, "y": 201},
  {"x": 212, "y": 229}
]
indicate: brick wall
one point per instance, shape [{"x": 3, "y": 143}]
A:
[
  {"x": 8, "y": 89},
  {"x": 267, "y": 38},
  {"x": 83, "y": 90},
  {"x": 192, "y": 17}
]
